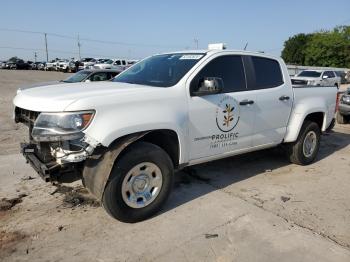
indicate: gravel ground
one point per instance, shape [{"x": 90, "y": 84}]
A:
[{"x": 255, "y": 207}]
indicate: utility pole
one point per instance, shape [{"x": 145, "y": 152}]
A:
[
  {"x": 79, "y": 47},
  {"x": 245, "y": 47},
  {"x": 35, "y": 56},
  {"x": 196, "y": 41},
  {"x": 47, "y": 53}
]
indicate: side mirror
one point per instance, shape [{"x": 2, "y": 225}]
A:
[
  {"x": 209, "y": 86},
  {"x": 324, "y": 77},
  {"x": 87, "y": 81}
]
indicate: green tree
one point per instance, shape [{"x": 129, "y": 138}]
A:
[
  {"x": 329, "y": 48},
  {"x": 294, "y": 49},
  {"x": 323, "y": 48},
  {"x": 13, "y": 59}
]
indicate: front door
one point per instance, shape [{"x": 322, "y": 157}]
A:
[{"x": 221, "y": 123}]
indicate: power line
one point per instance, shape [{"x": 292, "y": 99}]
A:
[
  {"x": 88, "y": 39},
  {"x": 51, "y": 50}
]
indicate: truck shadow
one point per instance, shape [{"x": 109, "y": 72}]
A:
[{"x": 199, "y": 180}]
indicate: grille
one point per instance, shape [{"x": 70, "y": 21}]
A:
[{"x": 25, "y": 116}]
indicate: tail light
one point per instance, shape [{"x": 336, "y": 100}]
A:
[{"x": 337, "y": 102}]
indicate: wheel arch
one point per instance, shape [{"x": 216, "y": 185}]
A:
[
  {"x": 297, "y": 121},
  {"x": 98, "y": 167}
]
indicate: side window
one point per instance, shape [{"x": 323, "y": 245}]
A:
[
  {"x": 99, "y": 77},
  {"x": 112, "y": 75},
  {"x": 268, "y": 73},
  {"x": 228, "y": 68},
  {"x": 330, "y": 74},
  {"x": 117, "y": 62}
]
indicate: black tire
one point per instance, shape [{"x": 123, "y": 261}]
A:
[
  {"x": 295, "y": 151},
  {"x": 340, "y": 118},
  {"x": 135, "y": 154}
]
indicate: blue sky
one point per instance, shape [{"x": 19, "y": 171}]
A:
[{"x": 148, "y": 27}]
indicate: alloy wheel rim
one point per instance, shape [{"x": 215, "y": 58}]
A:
[{"x": 310, "y": 143}]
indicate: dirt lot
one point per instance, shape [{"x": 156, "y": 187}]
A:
[{"x": 255, "y": 207}]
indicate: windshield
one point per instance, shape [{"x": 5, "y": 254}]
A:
[
  {"x": 310, "y": 74},
  {"x": 78, "y": 77},
  {"x": 160, "y": 70}
]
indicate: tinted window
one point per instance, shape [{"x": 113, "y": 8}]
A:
[
  {"x": 330, "y": 74},
  {"x": 267, "y": 73},
  {"x": 101, "y": 76},
  {"x": 228, "y": 68},
  {"x": 310, "y": 74},
  {"x": 77, "y": 77}
]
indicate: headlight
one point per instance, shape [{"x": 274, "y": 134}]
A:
[
  {"x": 61, "y": 126},
  {"x": 345, "y": 99}
]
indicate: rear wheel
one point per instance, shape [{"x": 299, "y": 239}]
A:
[
  {"x": 305, "y": 149},
  {"x": 140, "y": 183}
]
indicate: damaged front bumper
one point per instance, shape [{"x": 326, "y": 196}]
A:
[{"x": 51, "y": 170}]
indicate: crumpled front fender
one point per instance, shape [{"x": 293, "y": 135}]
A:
[{"x": 98, "y": 167}]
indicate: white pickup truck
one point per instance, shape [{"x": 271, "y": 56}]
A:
[
  {"x": 317, "y": 78},
  {"x": 125, "y": 138}
]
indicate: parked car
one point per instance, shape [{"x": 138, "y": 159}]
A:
[
  {"x": 125, "y": 138},
  {"x": 343, "y": 113},
  {"x": 62, "y": 65},
  {"x": 41, "y": 66},
  {"x": 18, "y": 64},
  {"x": 117, "y": 64},
  {"x": 3, "y": 65},
  {"x": 85, "y": 63},
  {"x": 347, "y": 77},
  {"x": 316, "y": 78},
  {"x": 131, "y": 62},
  {"x": 35, "y": 65},
  {"x": 342, "y": 75},
  {"x": 103, "y": 64},
  {"x": 81, "y": 76},
  {"x": 51, "y": 66},
  {"x": 92, "y": 75}
]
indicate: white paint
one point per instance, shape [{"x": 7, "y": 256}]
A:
[{"x": 123, "y": 109}]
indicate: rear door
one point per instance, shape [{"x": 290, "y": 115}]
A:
[
  {"x": 221, "y": 123},
  {"x": 274, "y": 99},
  {"x": 327, "y": 78}
]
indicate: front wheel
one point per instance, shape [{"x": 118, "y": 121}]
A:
[
  {"x": 305, "y": 149},
  {"x": 139, "y": 184}
]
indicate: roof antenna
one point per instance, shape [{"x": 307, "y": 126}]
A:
[{"x": 245, "y": 47}]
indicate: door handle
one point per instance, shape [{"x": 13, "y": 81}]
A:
[
  {"x": 283, "y": 98},
  {"x": 246, "y": 102}
]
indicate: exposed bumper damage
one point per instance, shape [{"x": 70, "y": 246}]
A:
[
  {"x": 70, "y": 160},
  {"x": 48, "y": 170}
]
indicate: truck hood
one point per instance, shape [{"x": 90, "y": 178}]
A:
[
  {"x": 305, "y": 78},
  {"x": 21, "y": 88},
  {"x": 56, "y": 98}
]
